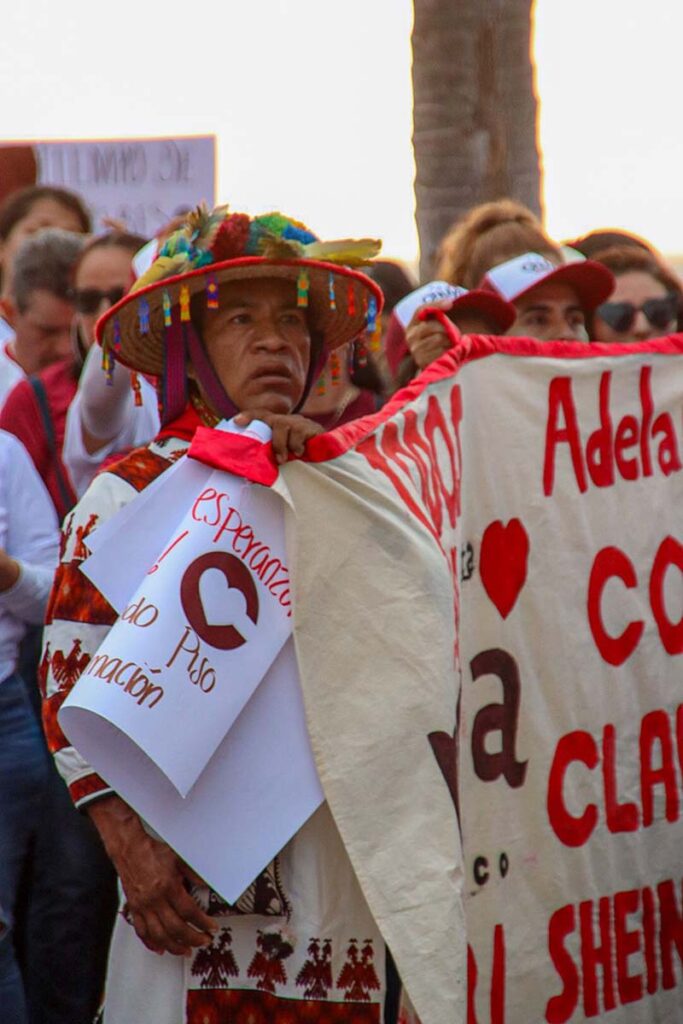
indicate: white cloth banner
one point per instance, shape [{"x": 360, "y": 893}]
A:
[{"x": 532, "y": 495}]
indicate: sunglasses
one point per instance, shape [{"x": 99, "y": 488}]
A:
[
  {"x": 89, "y": 300},
  {"x": 621, "y": 316}
]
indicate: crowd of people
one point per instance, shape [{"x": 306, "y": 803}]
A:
[{"x": 103, "y": 380}]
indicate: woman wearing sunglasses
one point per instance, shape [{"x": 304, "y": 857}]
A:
[{"x": 645, "y": 302}]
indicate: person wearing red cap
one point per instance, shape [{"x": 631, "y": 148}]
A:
[
  {"x": 552, "y": 303},
  {"x": 412, "y": 344}
]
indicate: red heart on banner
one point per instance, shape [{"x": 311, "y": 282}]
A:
[{"x": 503, "y": 563}]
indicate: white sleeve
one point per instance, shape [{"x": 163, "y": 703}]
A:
[
  {"x": 135, "y": 425},
  {"x": 32, "y": 532}
]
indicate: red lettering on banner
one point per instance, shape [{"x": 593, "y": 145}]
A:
[
  {"x": 611, "y": 563},
  {"x": 596, "y": 955},
  {"x": 561, "y": 400},
  {"x": 670, "y": 553},
  {"x": 661, "y": 764},
  {"x": 626, "y": 449},
  {"x": 562, "y": 1006},
  {"x": 620, "y": 817},
  {"x": 407, "y": 452},
  {"x": 655, "y": 731},
  {"x": 571, "y": 829},
  {"x": 612, "y": 930},
  {"x": 497, "y": 992}
]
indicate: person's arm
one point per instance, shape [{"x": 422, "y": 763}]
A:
[
  {"x": 155, "y": 881},
  {"x": 104, "y": 407},
  {"x": 28, "y": 562}
]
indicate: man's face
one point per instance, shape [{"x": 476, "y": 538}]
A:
[
  {"x": 42, "y": 331},
  {"x": 259, "y": 344},
  {"x": 550, "y": 312}
]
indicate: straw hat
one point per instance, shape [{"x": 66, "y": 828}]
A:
[{"x": 212, "y": 248}]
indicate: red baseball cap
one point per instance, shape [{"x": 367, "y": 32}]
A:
[
  {"x": 592, "y": 282},
  {"x": 500, "y": 312}
]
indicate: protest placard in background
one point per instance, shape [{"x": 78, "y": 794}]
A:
[{"x": 141, "y": 182}]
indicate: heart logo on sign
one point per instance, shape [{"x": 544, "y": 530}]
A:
[
  {"x": 209, "y": 605},
  {"x": 503, "y": 563}
]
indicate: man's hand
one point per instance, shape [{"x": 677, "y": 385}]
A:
[
  {"x": 9, "y": 571},
  {"x": 290, "y": 432},
  {"x": 154, "y": 880},
  {"x": 426, "y": 340}
]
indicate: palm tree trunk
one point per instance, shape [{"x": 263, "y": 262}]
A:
[{"x": 474, "y": 114}]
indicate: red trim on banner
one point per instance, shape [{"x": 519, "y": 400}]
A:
[
  {"x": 234, "y": 453},
  {"x": 465, "y": 350}
]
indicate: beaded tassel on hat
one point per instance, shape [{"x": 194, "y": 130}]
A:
[
  {"x": 143, "y": 316},
  {"x": 333, "y": 297},
  {"x": 108, "y": 362},
  {"x": 373, "y": 326},
  {"x": 302, "y": 286},
  {"x": 117, "y": 335},
  {"x": 184, "y": 301},
  {"x": 335, "y": 368},
  {"x": 212, "y": 292},
  {"x": 351, "y": 300},
  {"x": 166, "y": 303},
  {"x": 135, "y": 384}
]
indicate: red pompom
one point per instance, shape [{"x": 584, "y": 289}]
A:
[{"x": 231, "y": 238}]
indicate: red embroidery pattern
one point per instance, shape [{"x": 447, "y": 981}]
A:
[
  {"x": 215, "y": 964},
  {"x": 267, "y": 966},
  {"x": 316, "y": 973},
  {"x": 80, "y": 549},
  {"x": 358, "y": 976},
  {"x": 86, "y": 787},
  {"x": 237, "y": 1006},
  {"x": 75, "y": 599},
  {"x": 139, "y": 467},
  {"x": 66, "y": 671},
  {"x": 56, "y": 740},
  {"x": 65, "y": 536}
]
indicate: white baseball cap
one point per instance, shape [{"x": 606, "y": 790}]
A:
[
  {"x": 592, "y": 282},
  {"x": 480, "y": 300}
]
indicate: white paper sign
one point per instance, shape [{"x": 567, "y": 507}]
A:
[
  {"x": 257, "y": 790},
  {"x": 200, "y": 631}
]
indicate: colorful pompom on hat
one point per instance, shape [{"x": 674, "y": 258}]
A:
[{"x": 212, "y": 248}]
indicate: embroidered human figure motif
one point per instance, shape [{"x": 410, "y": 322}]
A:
[
  {"x": 267, "y": 964},
  {"x": 80, "y": 550},
  {"x": 66, "y": 671},
  {"x": 316, "y": 973},
  {"x": 358, "y": 976},
  {"x": 65, "y": 536},
  {"x": 216, "y": 964}
]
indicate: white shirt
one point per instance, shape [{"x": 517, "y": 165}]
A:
[
  {"x": 10, "y": 371},
  {"x": 140, "y": 427},
  {"x": 28, "y": 533}
]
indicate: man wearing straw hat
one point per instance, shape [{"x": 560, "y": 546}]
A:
[{"x": 236, "y": 315}]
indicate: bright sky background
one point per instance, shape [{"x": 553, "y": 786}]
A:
[{"x": 311, "y": 102}]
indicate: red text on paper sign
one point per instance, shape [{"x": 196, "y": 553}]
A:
[
  {"x": 615, "y": 950},
  {"x": 612, "y": 564},
  {"x": 214, "y": 509},
  {"x": 638, "y": 445},
  {"x": 660, "y": 761}
]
